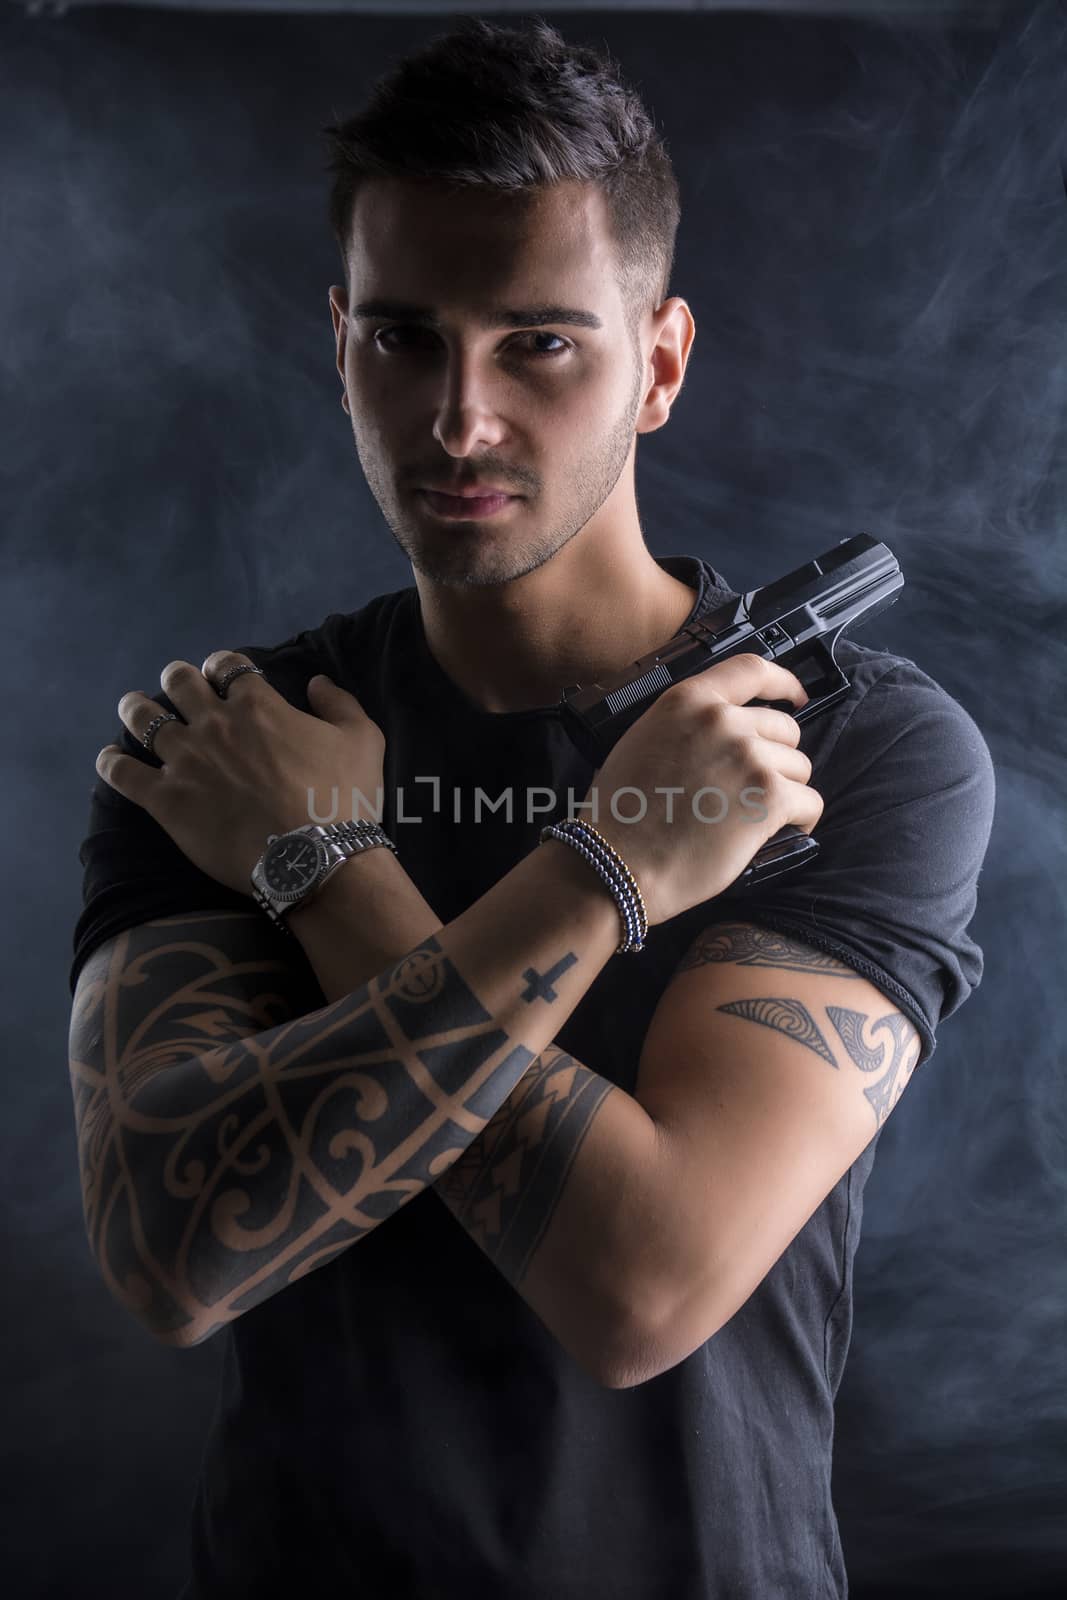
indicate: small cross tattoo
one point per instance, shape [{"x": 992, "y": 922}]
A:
[{"x": 541, "y": 987}]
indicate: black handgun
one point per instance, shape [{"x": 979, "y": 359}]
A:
[{"x": 795, "y": 622}]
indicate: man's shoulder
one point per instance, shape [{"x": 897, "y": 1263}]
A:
[
  {"x": 892, "y": 698},
  {"x": 901, "y": 724},
  {"x": 346, "y": 645}
]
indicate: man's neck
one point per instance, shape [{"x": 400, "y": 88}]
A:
[{"x": 515, "y": 647}]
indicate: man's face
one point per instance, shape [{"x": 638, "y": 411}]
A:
[{"x": 546, "y": 412}]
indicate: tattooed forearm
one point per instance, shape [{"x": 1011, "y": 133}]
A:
[
  {"x": 540, "y": 987},
  {"x": 239, "y": 1169},
  {"x": 505, "y": 1188},
  {"x": 246, "y": 1163}
]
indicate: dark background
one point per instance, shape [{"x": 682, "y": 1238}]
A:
[{"x": 874, "y": 248}]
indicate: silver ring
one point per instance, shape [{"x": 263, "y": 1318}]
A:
[
  {"x": 153, "y": 728},
  {"x": 223, "y": 683}
]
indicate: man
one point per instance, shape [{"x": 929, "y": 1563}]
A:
[{"x": 404, "y": 1410}]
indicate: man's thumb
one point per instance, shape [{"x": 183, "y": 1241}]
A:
[
  {"x": 320, "y": 687},
  {"x": 334, "y": 700}
]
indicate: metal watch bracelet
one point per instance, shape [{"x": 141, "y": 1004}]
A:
[{"x": 351, "y": 839}]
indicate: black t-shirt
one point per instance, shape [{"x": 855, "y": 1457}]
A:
[{"x": 399, "y": 1421}]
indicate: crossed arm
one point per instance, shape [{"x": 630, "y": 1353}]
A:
[
  {"x": 540, "y": 1190},
  {"x": 223, "y": 1157},
  {"x": 632, "y": 1226},
  {"x": 565, "y": 1171}
]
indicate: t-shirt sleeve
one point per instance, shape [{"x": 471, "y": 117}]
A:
[
  {"x": 133, "y": 870},
  {"x": 908, "y": 795}
]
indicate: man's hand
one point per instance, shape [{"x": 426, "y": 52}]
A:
[{"x": 239, "y": 769}]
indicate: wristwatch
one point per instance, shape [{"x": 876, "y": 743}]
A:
[{"x": 295, "y": 865}]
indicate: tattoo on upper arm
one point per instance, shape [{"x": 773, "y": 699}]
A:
[
  {"x": 748, "y": 946},
  {"x": 784, "y": 1016},
  {"x": 893, "y": 1057},
  {"x": 904, "y": 1046}
]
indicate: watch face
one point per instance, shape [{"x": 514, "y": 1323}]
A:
[{"x": 292, "y": 864}]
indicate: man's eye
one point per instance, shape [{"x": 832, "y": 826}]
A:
[{"x": 536, "y": 333}]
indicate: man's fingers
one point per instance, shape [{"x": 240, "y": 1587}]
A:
[
  {"x": 747, "y": 676},
  {"x": 126, "y": 774},
  {"x": 220, "y": 661},
  {"x": 777, "y": 725},
  {"x": 137, "y": 711}
]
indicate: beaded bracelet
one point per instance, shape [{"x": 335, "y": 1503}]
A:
[
  {"x": 625, "y": 885},
  {"x": 613, "y": 871}
]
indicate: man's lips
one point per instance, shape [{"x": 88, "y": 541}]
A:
[
  {"x": 467, "y": 506},
  {"x": 476, "y": 491}
]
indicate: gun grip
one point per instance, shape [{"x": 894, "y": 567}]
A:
[{"x": 790, "y": 847}]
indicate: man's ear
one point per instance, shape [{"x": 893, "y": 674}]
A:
[
  {"x": 339, "y": 313},
  {"x": 338, "y": 297},
  {"x": 669, "y": 357}
]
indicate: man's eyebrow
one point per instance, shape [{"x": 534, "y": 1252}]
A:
[{"x": 495, "y": 317}]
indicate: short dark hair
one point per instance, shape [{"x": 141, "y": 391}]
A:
[{"x": 512, "y": 109}]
